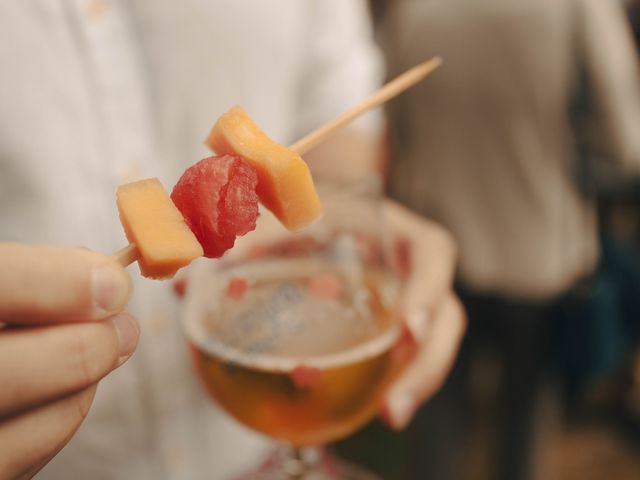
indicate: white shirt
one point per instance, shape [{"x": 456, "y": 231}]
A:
[
  {"x": 487, "y": 146},
  {"x": 94, "y": 93}
]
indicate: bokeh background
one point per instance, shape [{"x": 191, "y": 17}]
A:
[{"x": 577, "y": 364}]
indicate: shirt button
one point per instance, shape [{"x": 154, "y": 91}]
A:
[{"x": 96, "y": 10}]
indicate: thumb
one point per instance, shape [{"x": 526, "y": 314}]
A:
[{"x": 46, "y": 284}]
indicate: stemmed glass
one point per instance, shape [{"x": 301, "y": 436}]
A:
[{"x": 295, "y": 335}]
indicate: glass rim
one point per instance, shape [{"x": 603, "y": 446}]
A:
[
  {"x": 364, "y": 350},
  {"x": 286, "y": 364}
]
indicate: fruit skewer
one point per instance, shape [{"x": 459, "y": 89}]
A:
[{"x": 271, "y": 188}]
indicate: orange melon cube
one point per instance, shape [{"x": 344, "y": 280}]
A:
[
  {"x": 285, "y": 185},
  {"x": 156, "y": 227}
]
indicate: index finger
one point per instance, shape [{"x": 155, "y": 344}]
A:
[
  {"x": 426, "y": 372},
  {"x": 45, "y": 284}
]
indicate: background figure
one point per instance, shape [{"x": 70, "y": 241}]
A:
[
  {"x": 95, "y": 93},
  {"x": 488, "y": 148}
]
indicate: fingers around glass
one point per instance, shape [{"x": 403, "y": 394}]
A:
[{"x": 429, "y": 368}]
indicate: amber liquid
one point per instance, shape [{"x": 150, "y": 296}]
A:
[{"x": 251, "y": 357}]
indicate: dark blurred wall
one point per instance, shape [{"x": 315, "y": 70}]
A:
[{"x": 633, "y": 10}]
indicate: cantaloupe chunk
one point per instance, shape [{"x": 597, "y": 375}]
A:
[
  {"x": 153, "y": 223},
  {"x": 285, "y": 185}
]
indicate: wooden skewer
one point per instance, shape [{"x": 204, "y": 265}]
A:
[
  {"x": 386, "y": 93},
  {"x": 129, "y": 254}
]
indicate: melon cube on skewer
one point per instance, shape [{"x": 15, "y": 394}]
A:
[
  {"x": 155, "y": 226},
  {"x": 285, "y": 185}
]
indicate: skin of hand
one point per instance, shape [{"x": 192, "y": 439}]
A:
[
  {"x": 432, "y": 312},
  {"x": 62, "y": 329}
]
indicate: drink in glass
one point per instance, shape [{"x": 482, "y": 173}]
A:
[{"x": 295, "y": 335}]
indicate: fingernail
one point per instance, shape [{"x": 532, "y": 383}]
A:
[
  {"x": 109, "y": 288},
  {"x": 128, "y": 332},
  {"x": 399, "y": 409},
  {"x": 418, "y": 322}
]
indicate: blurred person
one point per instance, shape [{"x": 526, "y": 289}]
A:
[
  {"x": 96, "y": 93},
  {"x": 488, "y": 148}
]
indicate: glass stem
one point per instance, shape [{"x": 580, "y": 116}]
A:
[{"x": 300, "y": 461}]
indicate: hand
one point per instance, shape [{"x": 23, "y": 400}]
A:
[
  {"x": 433, "y": 313},
  {"x": 61, "y": 330}
]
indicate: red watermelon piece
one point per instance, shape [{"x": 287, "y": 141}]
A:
[{"x": 217, "y": 198}]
